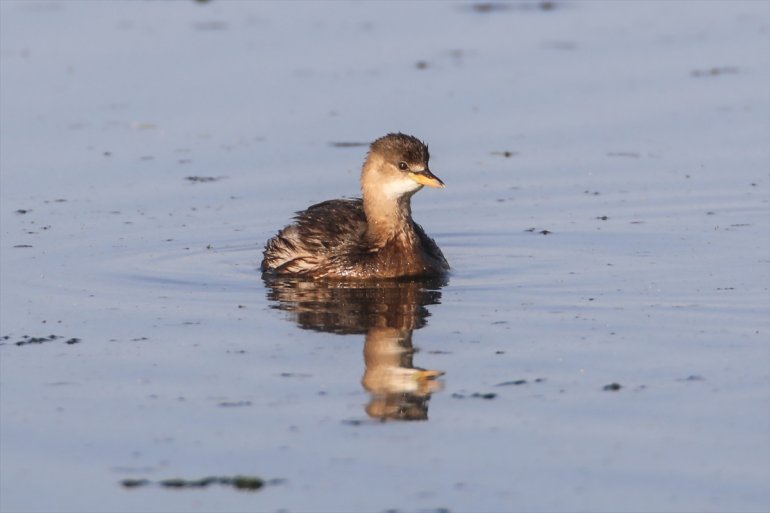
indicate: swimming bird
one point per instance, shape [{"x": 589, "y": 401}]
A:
[{"x": 368, "y": 238}]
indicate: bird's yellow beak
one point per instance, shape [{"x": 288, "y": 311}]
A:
[{"x": 425, "y": 177}]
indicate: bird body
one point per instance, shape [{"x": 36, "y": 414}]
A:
[{"x": 369, "y": 238}]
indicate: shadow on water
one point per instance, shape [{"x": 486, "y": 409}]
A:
[{"x": 387, "y": 313}]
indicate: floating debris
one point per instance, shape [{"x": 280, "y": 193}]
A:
[
  {"x": 348, "y": 144},
  {"x": 295, "y": 375},
  {"x": 134, "y": 483},
  {"x": 475, "y": 395},
  {"x": 26, "y": 340},
  {"x": 203, "y": 179},
  {"x": 715, "y": 71},
  {"x": 541, "y": 232},
  {"x": 487, "y": 7},
  {"x": 516, "y": 382},
  {"x": 234, "y": 404},
  {"x": 519, "y": 382},
  {"x": 244, "y": 483}
]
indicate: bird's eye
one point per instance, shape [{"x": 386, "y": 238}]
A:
[{"x": 402, "y": 166}]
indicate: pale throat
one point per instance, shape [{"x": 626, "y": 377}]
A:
[
  {"x": 395, "y": 189},
  {"x": 389, "y": 215}
]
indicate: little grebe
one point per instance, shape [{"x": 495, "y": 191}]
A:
[{"x": 370, "y": 238}]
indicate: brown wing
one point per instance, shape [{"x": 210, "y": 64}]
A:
[{"x": 330, "y": 228}]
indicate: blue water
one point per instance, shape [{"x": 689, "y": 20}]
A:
[{"x": 636, "y": 137}]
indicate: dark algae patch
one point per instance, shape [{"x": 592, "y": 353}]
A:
[
  {"x": 715, "y": 71},
  {"x": 203, "y": 179},
  {"x": 475, "y": 395},
  {"x": 348, "y": 144},
  {"x": 489, "y": 7},
  {"x": 515, "y": 382},
  {"x": 242, "y": 483},
  {"x": 26, "y": 340},
  {"x": 234, "y": 404},
  {"x": 134, "y": 483}
]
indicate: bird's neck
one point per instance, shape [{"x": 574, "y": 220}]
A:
[
  {"x": 387, "y": 218},
  {"x": 388, "y": 215}
]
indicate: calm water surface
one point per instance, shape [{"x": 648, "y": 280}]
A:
[{"x": 602, "y": 341}]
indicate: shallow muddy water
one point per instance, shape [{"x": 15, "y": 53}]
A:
[{"x": 602, "y": 341}]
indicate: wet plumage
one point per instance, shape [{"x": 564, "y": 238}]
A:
[{"x": 369, "y": 238}]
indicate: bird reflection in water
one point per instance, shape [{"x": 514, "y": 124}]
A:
[{"x": 387, "y": 312}]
